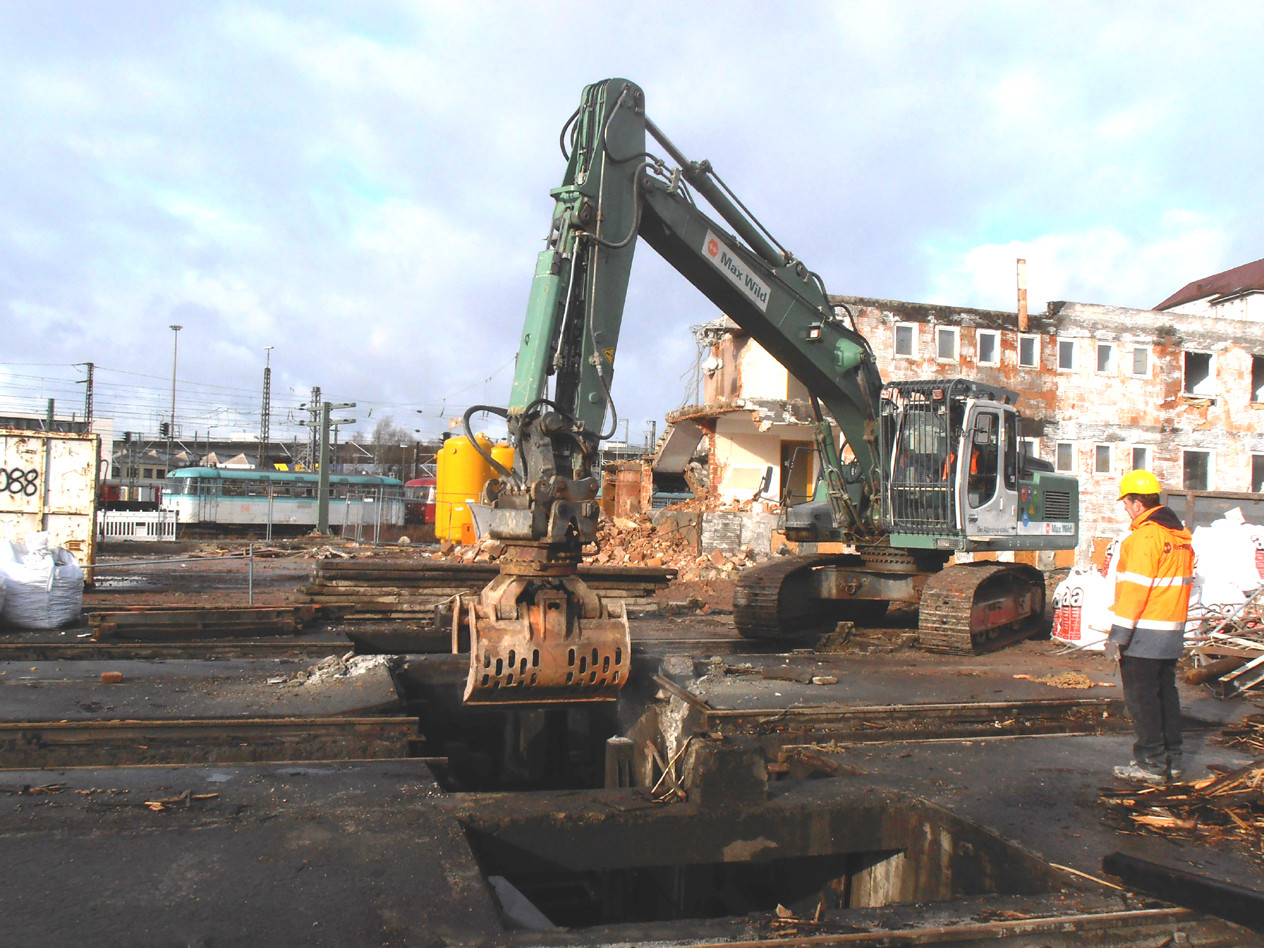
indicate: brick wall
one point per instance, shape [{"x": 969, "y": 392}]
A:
[{"x": 1083, "y": 407}]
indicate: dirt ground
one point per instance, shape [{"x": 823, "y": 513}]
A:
[{"x": 1041, "y": 791}]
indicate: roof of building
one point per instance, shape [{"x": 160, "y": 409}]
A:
[{"x": 1243, "y": 279}]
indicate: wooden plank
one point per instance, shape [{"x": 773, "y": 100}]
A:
[{"x": 201, "y": 623}]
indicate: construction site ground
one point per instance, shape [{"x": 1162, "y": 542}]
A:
[{"x": 821, "y": 752}]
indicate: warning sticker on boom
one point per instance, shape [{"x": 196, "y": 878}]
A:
[{"x": 732, "y": 267}]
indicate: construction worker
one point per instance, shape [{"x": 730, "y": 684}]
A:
[{"x": 1154, "y": 575}]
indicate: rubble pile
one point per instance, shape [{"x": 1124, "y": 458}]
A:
[
  {"x": 707, "y": 504},
  {"x": 333, "y": 667},
  {"x": 636, "y": 541},
  {"x": 633, "y": 541}
]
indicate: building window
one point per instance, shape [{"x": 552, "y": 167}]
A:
[
  {"x": 1140, "y": 362},
  {"x": 906, "y": 340},
  {"x": 1199, "y": 378},
  {"x": 1140, "y": 458},
  {"x": 1257, "y": 379},
  {"x": 1197, "y": 470},
  {"x": 1064, "y": 458},
  {"x": 1066, "y": 355},
  {"x": 1105, "y": 358},
  {"x": 946, "y": 343},
  {"x": 1028, "y": 352},
  {"x": 1101, "y": 459},
  {"x": 1029, "y": 447},
  {"x": 989, "y": 347},
  {"x": 1257, "y": 473}
]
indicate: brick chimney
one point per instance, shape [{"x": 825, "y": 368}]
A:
[{"x": 1022, "y": 295}]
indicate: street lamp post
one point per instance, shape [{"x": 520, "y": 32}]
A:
[{"x": 171, "y": 425}]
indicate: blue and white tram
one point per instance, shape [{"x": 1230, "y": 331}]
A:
[{"x": 219, "y": 497}]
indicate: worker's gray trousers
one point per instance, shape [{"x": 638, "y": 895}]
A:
[{"x": 1155, "y": 707}]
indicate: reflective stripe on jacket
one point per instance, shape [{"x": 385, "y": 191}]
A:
[{"x": 1154, "y": 577}]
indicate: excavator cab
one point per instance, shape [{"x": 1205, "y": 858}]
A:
[{"x": 950, "y": 452}]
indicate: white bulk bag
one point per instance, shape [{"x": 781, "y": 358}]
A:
[
  {"x": 1081, "y": 609},
  {"x": 43, "y": 586}
]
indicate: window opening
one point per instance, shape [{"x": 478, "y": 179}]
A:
[
  {"x": 1197, "y": 470},
  {"x": 946, "y": 343},
  {"x": 1105, "y": 358},
  {"x": 905, "y": 340},
  {"x": 984, "y": 458},
  {"x": 1064, "y": 457},
  {"x": 1066, "y": 355},
  {"x": 1140, "y": 458},
  {"x": 1028, "y": 352},
  {"x": 1198, "y": 376},
  {"x": 1141, "y": 362},
  {"x": 989, "y": 347},
  {"x": 1101, "y": 459}
]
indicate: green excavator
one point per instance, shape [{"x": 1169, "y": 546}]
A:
[{"x": 911, "y": 472}]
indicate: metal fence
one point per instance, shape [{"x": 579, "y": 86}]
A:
[{"x": 136, "y": 524}]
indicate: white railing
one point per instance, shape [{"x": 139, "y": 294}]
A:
[{"x": 136, "y": 524}]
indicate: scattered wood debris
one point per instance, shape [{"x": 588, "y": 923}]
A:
[
  {"x": 1229, "y": 649},
  {"x": 1227, "y": 809},
  {"x": 183, "y": 800},
  {"x": 1246, "y": 736},
  {"x": 1066, "y": 680}
]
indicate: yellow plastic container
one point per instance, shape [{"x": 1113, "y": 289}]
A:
[
  {"x": 503, "y": 452},
  {"x": 459, "y": 479}
]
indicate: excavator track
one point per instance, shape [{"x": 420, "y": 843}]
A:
[
  {"x": 972, "y": 608},
  {"x": 776, "y": 600}
]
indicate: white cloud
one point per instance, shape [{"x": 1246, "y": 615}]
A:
[
  {"x": 365, "y": 186},
  {"x": 1097, "y": 265}
]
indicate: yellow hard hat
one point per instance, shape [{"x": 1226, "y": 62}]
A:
[{"x": 1138, "y": 482}]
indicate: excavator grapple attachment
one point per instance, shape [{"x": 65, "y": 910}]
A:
[{"x": 548, "y": 640}]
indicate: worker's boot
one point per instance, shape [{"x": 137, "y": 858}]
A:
[{"x": 1136, "y": 773}]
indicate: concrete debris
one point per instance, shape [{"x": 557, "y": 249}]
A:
[
  {"x": 333, "y": 667},
  {"x": 634, "y": 541}
]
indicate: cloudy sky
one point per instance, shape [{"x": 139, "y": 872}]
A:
[{"x": 364, "y": 186}]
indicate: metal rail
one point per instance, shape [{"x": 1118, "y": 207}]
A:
[
  {"x": 43, "y": 745},
  {"x": 90, "y": 651}
]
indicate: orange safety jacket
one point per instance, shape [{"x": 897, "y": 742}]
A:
[{"x": 1153, "y": 580}]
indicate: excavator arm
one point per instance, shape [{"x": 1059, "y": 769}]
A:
[{"x": 537, "y": 634}]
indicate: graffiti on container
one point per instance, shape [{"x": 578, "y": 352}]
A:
[{"x": 15, "y": 480}]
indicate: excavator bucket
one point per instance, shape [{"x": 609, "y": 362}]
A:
[{"x": 535, "y": 641}]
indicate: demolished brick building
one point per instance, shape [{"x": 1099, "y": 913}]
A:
[{"x": 1103, "y": 390}]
